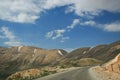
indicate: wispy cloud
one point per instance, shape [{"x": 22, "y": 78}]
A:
[
  {"x": 88, "y": 23},
  {"x": 55, "y": 34},
  {"x": 7, "y": 34},
  {"x": 112, "y": 27},
  {"x": 59, "y": 33},
  {"x": 49, "y": 34},
  {"x": 28, "y": 11},
  {"x": 74, "y": 23},
  {"x": 78, "y": 23},
  {"x": 93, "y": 7},
  {"x": 83, "y": 7},
  {"x": 22, "y": 11}
]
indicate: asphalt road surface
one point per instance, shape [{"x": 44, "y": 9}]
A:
[{"x": 73, "y": 74}]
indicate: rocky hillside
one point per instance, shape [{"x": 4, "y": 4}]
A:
[
  {"x": 20, "y": 58},
  {"x": 107, "y": 71},
  {"x": 31, "y": 74},
  {"x": 100, "y": 53},
  {"x": 25, "y": 57},
  {"x": 26, "y": 74},
  {"x": 113, "y": 65}
]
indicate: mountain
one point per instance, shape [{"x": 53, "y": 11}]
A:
[
  {"x": 107, "y": 71},
  {"x": 24, "y": 57},
  {"x": 100, "y": 54}
]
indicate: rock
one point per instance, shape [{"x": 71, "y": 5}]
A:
[
  {"x": 107, "y": 71},
  {"x": 113, "y": 65},
  {"x": 31, "y": 73}
]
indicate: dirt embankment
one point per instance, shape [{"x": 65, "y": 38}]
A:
[{"x": 108, "y": 71}]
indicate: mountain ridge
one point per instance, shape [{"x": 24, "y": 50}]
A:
[{"x": 20, "y": 58}]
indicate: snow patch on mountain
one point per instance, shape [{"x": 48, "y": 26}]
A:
[
  {"x": 60, "y": 53},
  {"x": 19, "y": 48}
]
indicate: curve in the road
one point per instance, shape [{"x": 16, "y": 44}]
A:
[{"x": 74, "y": 74}]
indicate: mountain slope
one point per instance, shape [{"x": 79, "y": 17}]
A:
[
  {"x": 107, "y": 71},
  {"x": 24, "y": 57},
  {"x": 20, "y": 58},
  {"x": 102, "y": 53}
]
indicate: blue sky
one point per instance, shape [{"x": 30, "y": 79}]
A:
[{"x": 66, "y": 24}]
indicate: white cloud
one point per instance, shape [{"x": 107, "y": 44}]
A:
[
  {"x": 55, "y": 34},
  {"x": 48, "y": 4},
  {"x": 59, "y": 33},
  {"x": 50, "y": 34},
  {"x": 22, "y": 11},
  {"x": 113, "y": 27},
  {"x": 82, "y": 7},
  {"x": 28, "y": 11},
  {"x": 7, "y": 34},
  {"x": 74, "y": 23},
  {"x": 79, "y": 22},
  {"x": 93, "y": 7},
  {"x": 88, "y": 23}
]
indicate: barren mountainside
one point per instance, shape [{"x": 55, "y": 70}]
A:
[
  {"x": 20, "y": 58},
  {"x": 107, "y": 71},
  {"x": 102, "y": 53},
  {"x": 25, "y": 57}
]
